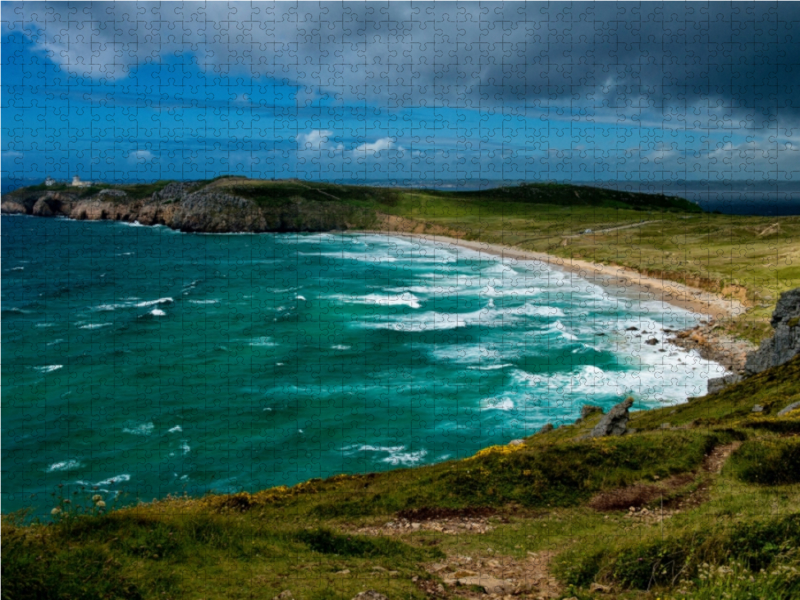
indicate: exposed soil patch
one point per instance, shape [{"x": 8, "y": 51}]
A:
[
  {"x": 446, "y": 525},
  {"x": 482, "y": 577},
  {"x": 639, "y": 495},
  {"x": 714, "y": 462},
  {"x": 427, "y": 513},
  {"x": 635, "y": 498}
]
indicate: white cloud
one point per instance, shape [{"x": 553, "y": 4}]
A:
[
  {"x": 375, "y": 147},
  {"x": 140, "y": 156},
  {"x": 316, "y": 139}
]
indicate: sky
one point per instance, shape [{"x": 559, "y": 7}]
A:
[{"x": 401, "y": 92}]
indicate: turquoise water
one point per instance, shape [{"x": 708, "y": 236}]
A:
[{"x": 143, "y": 360}]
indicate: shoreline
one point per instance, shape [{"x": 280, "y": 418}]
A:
[{"x": 622, "y": 279}]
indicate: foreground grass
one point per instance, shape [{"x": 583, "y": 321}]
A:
[{"x": 696, "y": 531}]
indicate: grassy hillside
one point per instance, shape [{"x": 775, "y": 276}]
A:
[{"x": 701, "y": 500}]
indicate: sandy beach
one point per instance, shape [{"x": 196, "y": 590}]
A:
[{"x": 617, "y": 279}]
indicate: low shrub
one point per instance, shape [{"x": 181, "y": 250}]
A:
[{"x": 768, "y": 462}]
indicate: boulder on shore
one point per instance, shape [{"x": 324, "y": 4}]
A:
[{"x": 615, "y": 422}]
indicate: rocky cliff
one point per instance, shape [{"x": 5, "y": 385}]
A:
[
  {"x": 782, "y": 347},
  {"x": 785, "y": 343},
  {"x": 195, "y": 206}
]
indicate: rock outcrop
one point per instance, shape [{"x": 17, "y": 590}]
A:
[
  {"x": 784, "y": 345},
  {"x": 614, "y": 422},
  {"x": 793, "y": 406},
  {"x": 197, "y": 206},
  {"x": 777, "y": 350}
]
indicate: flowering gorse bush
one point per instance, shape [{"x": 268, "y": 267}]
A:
[{"x": 735, "y": 581}]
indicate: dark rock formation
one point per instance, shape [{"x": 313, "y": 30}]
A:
[
  {"x": 779, "y": 349},
  {"x": 199, "y": 206},
  {"x": 42, "y": 208},
  {"x": 615, "y": 422},
  {"x": 718, "y": 384},
  {"x": 785, "y": 343}
]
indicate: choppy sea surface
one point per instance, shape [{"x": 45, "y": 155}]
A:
[{"x": 146, "y": 361}]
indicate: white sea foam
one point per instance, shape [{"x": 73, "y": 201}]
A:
[
  {"x": 203, "y": 301},
  {"x": 396, "y": 455},
  {"x": 176, "y": 429},
  {"x": 263, "y": 342},
  {"x": 373, "y": 258},
  {"x": 403, "y": 299},
  {"x": 145, "y": 304},
  {"x": 67, "y": 465},
  {"x": 340, "y": 347},
  {"x": 94, "y": 325},
  {"x": 298, "y": 297},
  {"x": 55, "y": 342},
  {"x": 157, "y": 312},
  {"x": 18, "y": 269},
  {"x": 541, "y": 311},
  {"x": 491, "y": 291},
  {"x": 490, "y": 367},
  {"x": 504, "y": 404},
  {"x": 49, "y": 368},
  {"x": 113, "y": 480},
  {"x": 138, "y": 429},
  {"x": 185, "y": 447}
]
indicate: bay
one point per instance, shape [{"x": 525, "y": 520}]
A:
[{"x": 146, "y": 361}]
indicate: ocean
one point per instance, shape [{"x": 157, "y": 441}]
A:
[{"x": 148, "y": 362}]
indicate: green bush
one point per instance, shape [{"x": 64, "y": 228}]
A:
[
  {"x": 756, "y": 545},
  {"x": 768, "y": 462},
  {"x": 32, "y": 568},
  {"x": 326, "y": 541}
]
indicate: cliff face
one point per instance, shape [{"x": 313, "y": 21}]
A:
[
  {"x": 193, "y": 207},
  {"x": 782, "y": 347},
  {"x": 785, "y": 344}
]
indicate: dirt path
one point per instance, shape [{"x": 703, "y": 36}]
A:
[{"x": 610, "y": 229}]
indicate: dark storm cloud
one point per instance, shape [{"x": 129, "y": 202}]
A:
[{"x": 715, "y": 61}]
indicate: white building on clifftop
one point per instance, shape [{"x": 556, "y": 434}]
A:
[{"x": 76, "y": 182}]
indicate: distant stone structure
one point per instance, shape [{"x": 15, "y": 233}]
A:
[
  {"x": 49, "y": 181},
  {"x": 76, "y": 182}
]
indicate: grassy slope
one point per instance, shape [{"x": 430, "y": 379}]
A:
[{"x": 304, "y": 538}]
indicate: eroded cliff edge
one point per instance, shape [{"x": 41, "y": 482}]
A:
[{"x": 217, "y": 206}]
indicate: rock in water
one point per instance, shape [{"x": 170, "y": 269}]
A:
[
  {"x": 615, "y": 422},
  {"x": 785, "y": 344}
]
